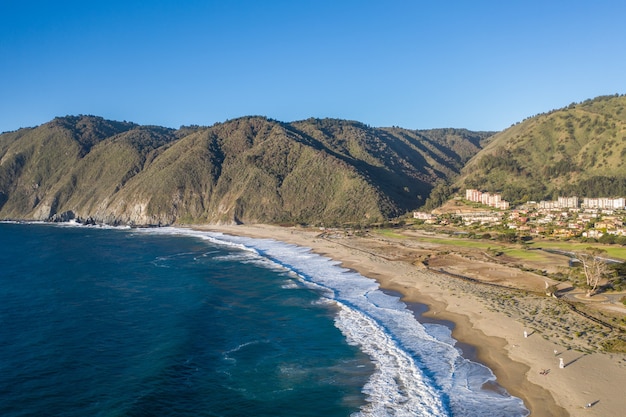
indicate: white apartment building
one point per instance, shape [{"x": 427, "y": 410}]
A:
[
  {"x": 561, "y": 203},
  {"x": 473, "y": 195},
  {"x": 605, "y": 203},
  {"x": 488, "y": 199},
  {"x": 568, "y": 202},
  {"x": 548, "y": 205}
]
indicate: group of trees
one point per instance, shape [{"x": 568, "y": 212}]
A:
[
  {"x": 597, "y": 186},
  {"x": 441, "y": 193},
  {"x": 612, "y": 239}
]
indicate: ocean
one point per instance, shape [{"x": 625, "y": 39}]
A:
[{"x": 98, "y": 321}]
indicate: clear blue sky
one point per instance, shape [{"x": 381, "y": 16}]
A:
[{"x": 419, "y": 64}]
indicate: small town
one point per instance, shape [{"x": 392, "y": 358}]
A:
[{"x": 595, "y": 219}]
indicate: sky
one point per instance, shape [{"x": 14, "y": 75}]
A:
[{"x": 417, "y": 64}]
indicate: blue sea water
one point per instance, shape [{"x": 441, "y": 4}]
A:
[{"x": 175, "y": 322}]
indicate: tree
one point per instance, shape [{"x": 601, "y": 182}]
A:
[{"x": 594, "y": 267}]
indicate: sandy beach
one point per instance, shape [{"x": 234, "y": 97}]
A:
[{"x": 521, "y": 338}]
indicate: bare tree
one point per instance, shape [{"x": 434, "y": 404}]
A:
[{"x": 594, "y": 266}]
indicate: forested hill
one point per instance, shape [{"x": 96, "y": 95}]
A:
[
  {"x": 578, "y": 150},
  {"x": 250, "y": 169}
]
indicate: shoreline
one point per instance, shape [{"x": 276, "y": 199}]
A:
[{"x": 497, "y": 337}]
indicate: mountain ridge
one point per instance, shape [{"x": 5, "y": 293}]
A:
[
  {"x": 313, "y": 171},
  {"x": 250, "y": 169}
]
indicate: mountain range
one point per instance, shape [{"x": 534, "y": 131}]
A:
[
  {"x": 314, "y": 171},
  {"x": 251, "y": 169}
]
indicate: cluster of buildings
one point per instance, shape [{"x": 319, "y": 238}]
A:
[
  {"x": 605, "y": 203},
  {"x": 570, "y": 222},
  {"x": 496, "y": 201},
  {"x": 602, "y": 203},
  {"x": 488, "y": 199},
  {"x": 565, "y": 217}
]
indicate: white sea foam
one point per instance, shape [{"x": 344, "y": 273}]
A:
[
  {"x": 290, "y": 285},
  {"x": 397, "y": 386},
  {"x": 418, "y": 369}
]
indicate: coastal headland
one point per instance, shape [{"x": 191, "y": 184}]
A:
[{"x": 539, "y": 349}]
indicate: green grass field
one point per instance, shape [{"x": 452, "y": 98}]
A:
[
  {"x": 514, "y": 250},
  {"x": 612, "y": 251},
  {"x": 389, "y": 233}
]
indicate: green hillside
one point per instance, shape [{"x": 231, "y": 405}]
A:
[
  {"x": 250, "y": 169},
  {"x": 579, "y": 150}
]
